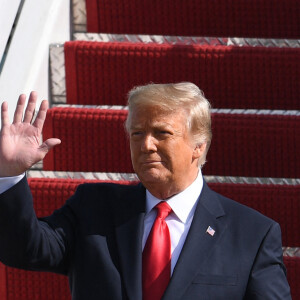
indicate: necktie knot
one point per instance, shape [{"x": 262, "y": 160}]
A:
[{"x": 163, "y": 209}]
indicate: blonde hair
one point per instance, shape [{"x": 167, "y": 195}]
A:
[{"x": 172, "y": 97}]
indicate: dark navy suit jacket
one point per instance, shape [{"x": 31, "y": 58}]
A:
[{"x": 96, "y": 239}]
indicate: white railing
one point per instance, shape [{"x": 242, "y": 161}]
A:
[
  {"x": 40, "y": 23},
  {"x": 8, "y": 13}
]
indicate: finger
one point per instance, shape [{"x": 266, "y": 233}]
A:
[
  {"x": 19, "y": 109},
  {"x": 30, "y": 109},
  {"x": 4, "y": 114},
  {"x": 48, "y": 144},
  {"x": 45, "y": 147},
  {"x": 41, "y": 116}
]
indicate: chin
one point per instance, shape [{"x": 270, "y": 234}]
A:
[{"x": 151, "y": 176}]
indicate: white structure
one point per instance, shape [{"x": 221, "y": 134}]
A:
[{"x": 40, "y": 23}]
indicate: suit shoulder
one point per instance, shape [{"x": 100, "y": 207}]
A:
[
  {"x": 98, "y": 203},
  {"x": 105, "y": 193},
  {"x": 107, "y": 187},
  {"x": 248, "y": 224}
]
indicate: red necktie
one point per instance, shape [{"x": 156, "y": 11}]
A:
[{"x": 157, "y": 256}]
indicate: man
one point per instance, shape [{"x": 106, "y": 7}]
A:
[{"x": 169, "y": 237}]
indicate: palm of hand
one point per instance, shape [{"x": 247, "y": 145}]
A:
[{"x": 19, "y": 146}]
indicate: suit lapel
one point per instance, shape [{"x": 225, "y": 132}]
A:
[
  {"x": 198, "y": 244},
  {"x": 129, "y": 233}
]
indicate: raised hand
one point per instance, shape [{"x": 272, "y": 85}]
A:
[{"x": 20, "y": 146}]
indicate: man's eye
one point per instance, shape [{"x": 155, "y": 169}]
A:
[
  {"x": 136, "y": 133},
  {"x": 164, "y": 132}
]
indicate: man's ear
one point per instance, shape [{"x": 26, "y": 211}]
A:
[{"x": 199, "y": 150}]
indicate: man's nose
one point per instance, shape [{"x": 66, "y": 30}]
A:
[{"x": 148, "y": 143}]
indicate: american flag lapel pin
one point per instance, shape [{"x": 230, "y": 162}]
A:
[{"x": 210, "y": 231}]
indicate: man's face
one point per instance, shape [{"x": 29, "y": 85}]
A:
[{"x": 162, "y": 152}]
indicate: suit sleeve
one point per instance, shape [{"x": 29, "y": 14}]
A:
[
  {"x": 29, "y": 243},
  {"x": 268, "y": 280}
]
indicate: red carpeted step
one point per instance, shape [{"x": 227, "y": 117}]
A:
[
  {"x": 221, "y": 18},
  {"x": 28, "y": 285},
  {"x": 92, "y": 140},
  {"x": 279, "y": 202},
  {"x": 293, "y": 274},
  {"x": 254, "y": 145},
  {"x": 230, "y": 76},
  {"x": 250, "y": 145}
]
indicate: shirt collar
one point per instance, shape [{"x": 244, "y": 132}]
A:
[{"x": 182, "y": 204}]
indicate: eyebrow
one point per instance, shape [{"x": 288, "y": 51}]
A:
[{"x": 155, "y": 126}]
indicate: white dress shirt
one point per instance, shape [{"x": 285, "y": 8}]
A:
[
  {"x": 7, "y": 182},
  {"x": 179, "y": 221}
]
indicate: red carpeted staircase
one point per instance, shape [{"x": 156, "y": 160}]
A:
[{"x": 254, "y": 91}]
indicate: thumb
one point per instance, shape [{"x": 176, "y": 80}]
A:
[{"x": 48, "y": 144}]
